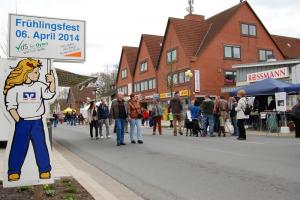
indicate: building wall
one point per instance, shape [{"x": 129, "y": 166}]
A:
[
  {"x": 124, "y": 65},
  {"x": 211, "y": 62},
  {"x": 164, "y": 69},
  {"x": 149, "y": 74}
]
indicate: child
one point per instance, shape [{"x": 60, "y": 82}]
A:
[
  {"x": 171, "y": 119},
  {"x": 24, "y": 100}
]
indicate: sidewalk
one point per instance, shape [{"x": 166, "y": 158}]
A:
[{"x": 98, "y": 184}]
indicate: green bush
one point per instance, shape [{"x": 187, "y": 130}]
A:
[
  {"x": 69, "y": 197},
  {"x": 49, "y": 190},
  {"x": 67, "y": 182},
  {"x": 70, "y": 189}
]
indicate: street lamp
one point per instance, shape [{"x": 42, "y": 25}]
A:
[{"x": 189, "y": 75}]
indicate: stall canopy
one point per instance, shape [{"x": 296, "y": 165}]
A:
[
  {"x": 293, "y": 88},
  {"x": 264, "y": 87}
]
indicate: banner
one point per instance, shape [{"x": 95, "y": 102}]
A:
[
  {"x": 27, "y": 89},
  {"x": 280, "y": 99},
  {"x": 197, "y": 80},
  {"x": 49, "y": 38}
]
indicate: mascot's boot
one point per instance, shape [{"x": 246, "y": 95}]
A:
[
  {"x": 45, "y": 175},
  {"x": 13, "y": 177}
]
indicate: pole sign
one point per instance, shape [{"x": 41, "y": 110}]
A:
[{"x": 50, "y": 38}]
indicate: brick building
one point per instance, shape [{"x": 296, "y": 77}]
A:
[
  {"x": 126, "y": 70},
  {"x": 209, "y": 48},
  {"x": 144, "y": 77}
]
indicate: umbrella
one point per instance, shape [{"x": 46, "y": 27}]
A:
[{"x": 69, "y": 110}]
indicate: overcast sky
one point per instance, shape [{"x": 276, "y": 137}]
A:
[{"x": 114, "y": 23}]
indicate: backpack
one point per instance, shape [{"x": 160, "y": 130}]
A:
[{"x": 248, "y": 108}]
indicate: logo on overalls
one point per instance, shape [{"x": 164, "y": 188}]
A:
[{"x": 29, "y": 95}]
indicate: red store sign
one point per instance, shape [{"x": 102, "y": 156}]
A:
[{"x": 275, "y": 74}]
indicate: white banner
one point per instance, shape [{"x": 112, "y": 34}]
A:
[
  {"x": 197, "y": 80},
  {"x": 275, "y": 74},
  {"x": 41, "y": 37},
  {"x": 280, "y": 99}
]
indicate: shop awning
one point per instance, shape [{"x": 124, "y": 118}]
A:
[
  {"x": 293, "y": 88},
  {"x": 264, "y": 87}
]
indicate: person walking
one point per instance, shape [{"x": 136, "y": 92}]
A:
[
  {"x": 207, "y": 108},
  {"x": 195, "y": 112},
  {"x": 135, "y": 118},
  {"x": 103, "y": 118},
  {"x": 296, "y": 117},
  {"x": 55, "y": 119},
  {"x": 232, "y": 112},
  {"x": 157, "y": 115},
  {"x": 73, "y": 118},
  {"x": 146, "y": 117},
  {"x": 176, "y": 108},
  {"x": 93, "y": 120},
  {"x": 216, "y": 115},
  {"x": 222, "y": 108},
  {"x": 241, "y": 116},
  {"x": 119, "y": 112},
  {"x": 171, "y": 118}
]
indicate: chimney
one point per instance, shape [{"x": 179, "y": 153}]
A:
[{"x": 194, "y": 17}]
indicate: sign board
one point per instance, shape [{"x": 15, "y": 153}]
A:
[
  {"x": 197, "y": 80},
  {"x": 27, "y": 91},
  {"x": 165, "y": 95},
  {"x": 183, "y": 93},
  {"x": 49, "y": 38},
  {"x": 275, "y": 74},
  {"x": 280, "y": 99}
]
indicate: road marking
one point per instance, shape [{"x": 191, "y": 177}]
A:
[{"x": 247, "y": 142}]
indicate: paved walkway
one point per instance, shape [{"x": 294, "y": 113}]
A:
[{"x": 98, "y": 184}]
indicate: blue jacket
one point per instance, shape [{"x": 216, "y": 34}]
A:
[
  {"x": 195, "y": 111},
  {"x": 103, "y": 112}
]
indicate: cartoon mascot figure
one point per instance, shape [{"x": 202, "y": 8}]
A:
[{"x": 24, "y": 100}]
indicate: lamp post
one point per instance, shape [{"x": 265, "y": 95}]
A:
[{"x": 189, "y": 75}]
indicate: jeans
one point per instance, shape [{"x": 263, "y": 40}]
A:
[
  {"x": 73, "y": 121},
  {"x": 210, "y": 120},
  {"x": 94, "y": 124},
  {"x": 27, "y": 131},
  {"x": 137, "y": 123},
  {"x": 235, "y": 127},
  {"x": 120, "y": 123},
  {"x": 177, "y": 123},
  {"x": 55, "y": 122},
  {"x": 106, "y": 123}
]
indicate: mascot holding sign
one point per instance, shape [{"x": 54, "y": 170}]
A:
[{"x": 24, "y": 96}]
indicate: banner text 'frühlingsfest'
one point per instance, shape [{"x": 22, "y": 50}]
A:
[{"x": 41, "y": 37}]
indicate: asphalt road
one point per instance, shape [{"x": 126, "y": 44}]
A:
[{"x": 167, "y": 167}]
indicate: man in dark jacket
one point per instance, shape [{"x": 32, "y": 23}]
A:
[
  {"x": 119, "y": 112},
  {"x": 296, "y": 116},
  {"x": 176, "y": 108},
  {"x": 103, "y": 115}
]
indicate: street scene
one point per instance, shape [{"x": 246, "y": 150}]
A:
[{"x": 182, "y": 100}]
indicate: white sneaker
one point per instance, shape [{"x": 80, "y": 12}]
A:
[
  {"x": 108, "y": 137},
  {"x": 101, "y": 137}
]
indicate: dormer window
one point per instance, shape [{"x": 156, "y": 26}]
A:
[
  {"x": 171, "y": 56},
  {"x": 124, "y": 74},
  {"x": 144, "y": 66}
]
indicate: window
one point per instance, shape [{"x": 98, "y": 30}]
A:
[
  {"x": 137, "y": 87},
  {"x": 172, "y": 56},
  {"x": 154, "y": 83},
  {"x": 248, "y": 29},
  {"x": 175, "y": 79},
  {"x": 264, "y": 55},
  {"x": 232, "y": 52},
  {"x": 142, "y": 86},
  {"x": 150, "y": 84},
  {"x": 124, "y": 73},
  {"x": 181, "y": 77},
  {"x": 230, "y": 77},
  {"x": 146, "y": 85},
  {"x": 144, "y": 66}
]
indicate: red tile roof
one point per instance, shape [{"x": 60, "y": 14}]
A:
[
  {"x": 153, "y": 44},
  {"x": 131, "y": 53},
  {"x": 288, "y": 45}
]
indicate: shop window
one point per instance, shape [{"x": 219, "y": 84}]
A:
[
  {"x": 264, "y": 55},
  {"x": 144, "y": 66},
  {"x": 154, "y": 83},
  {"x": 150, "y": 84},
  {"x": 124, "y": 73},
  {"x": 230, "y": 77},
  {"x": 146, "y": 85},
  {"x": 171, "y": 56},
  {"x": 248, "y": 29},
  {"x": 232, "y": 52},
  {"x": 181, "y": 77}
]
